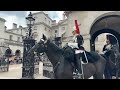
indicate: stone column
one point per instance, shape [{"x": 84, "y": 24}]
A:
[
  {"x": 41, "y": 68},
  {"x": 86, "y": 42}
]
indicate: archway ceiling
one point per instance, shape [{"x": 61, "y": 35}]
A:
[{"x": 112, "y": 22}]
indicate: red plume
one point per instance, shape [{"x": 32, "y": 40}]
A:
[{"x": 77, "y": 27}]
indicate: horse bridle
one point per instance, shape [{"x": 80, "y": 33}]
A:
[
  {"x": 44, "y": 43},
  {"x": 58, "y": 63}
]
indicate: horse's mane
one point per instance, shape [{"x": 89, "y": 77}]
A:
[{"x": 54, "y": 47}]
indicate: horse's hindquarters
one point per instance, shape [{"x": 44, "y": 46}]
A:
[
  {"x": 88, "y": 70},
  {"x": 100, "y": 67}
]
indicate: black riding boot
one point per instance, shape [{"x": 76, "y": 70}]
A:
[{"x": 78, "y": 64}]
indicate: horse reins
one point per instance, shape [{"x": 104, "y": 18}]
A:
[{"x": 58, "y": 63}]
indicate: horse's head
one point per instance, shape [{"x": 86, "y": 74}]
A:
[{"x": 43, "y": 44}]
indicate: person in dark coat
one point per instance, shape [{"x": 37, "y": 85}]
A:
[{"x": 77, "y": 45}]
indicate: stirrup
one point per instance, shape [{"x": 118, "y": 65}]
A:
[
  {"x": 84, "y": 63},
  {"x": 80, "y": 76}
]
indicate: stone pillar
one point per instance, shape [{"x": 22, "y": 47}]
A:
[
  {"x": 41, "y": 68},
  {"x": 86, "y": 42}
]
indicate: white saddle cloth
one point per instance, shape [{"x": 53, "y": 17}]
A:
[
  {"x": 73, "y": 45},
  {"x": 79, "y": 51}
]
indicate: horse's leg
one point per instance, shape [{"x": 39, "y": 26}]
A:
[
  {"x": 107, "y": 74},
  {"x": 100, "y": 67},
  {"x": 118, "y": 70},
  {"x": 66, "y": 73},
  {"x": 117, "y": 74},
  {"x": 107, "y": 71},
  {"x": 98, "y": 76}
]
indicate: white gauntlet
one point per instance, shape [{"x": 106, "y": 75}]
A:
[{"x": 108, "y": 47}]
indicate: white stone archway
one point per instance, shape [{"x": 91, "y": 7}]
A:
[{"x": 105, "y": 23}]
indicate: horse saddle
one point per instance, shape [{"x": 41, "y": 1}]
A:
[
  {"x": 91, "y": 56},
  {"x": 69, "y": 54},
  {"x": 106, "y": 58}
]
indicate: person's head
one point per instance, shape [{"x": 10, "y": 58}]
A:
[{"x": 80, "y": 40}]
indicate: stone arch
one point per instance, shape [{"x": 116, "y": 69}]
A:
[{"x": 106, "y": 23}]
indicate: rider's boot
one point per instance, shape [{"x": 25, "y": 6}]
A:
[{"x": 78, "y": 65}]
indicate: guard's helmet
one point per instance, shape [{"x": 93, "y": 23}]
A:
[{"x": 80, "y": 39}]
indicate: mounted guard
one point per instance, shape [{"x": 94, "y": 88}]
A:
[
  {"x": 112, "y": 55},
  {"x": 77, "y": 45},
  {"x": 61, "y": 57},
  {"x": 111, "y": 42},
  {"x": 81, "y": 55}
]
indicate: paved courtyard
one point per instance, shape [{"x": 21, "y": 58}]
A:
[{"x": 15, "y": 72}]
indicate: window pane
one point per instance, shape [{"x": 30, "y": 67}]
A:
[
  {"x": 45, "y": 28},
  {"x": 55, "y": 31},
  {"x": 10, "y": 37},
  {"x": 18, "y": 39}
]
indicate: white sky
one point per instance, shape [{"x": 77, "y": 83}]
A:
[{"x": 18, "y": 17}]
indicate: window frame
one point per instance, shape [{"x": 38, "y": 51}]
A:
[
  {"x": 10, "y": 37},
  {"x": 56, "y": 31},
  {"x": 18, "y": 39}
]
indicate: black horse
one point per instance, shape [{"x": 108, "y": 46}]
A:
[
  {"x": 63, "y": 69},
  {"x": 113, "y": 63}
]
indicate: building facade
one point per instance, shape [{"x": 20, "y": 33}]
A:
[
  {"x": 43, "y": 24},
  {"x": 92, "y": 23},
  {"x": 61, "y": 30},
  {"x": 12, "y": 38}
]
